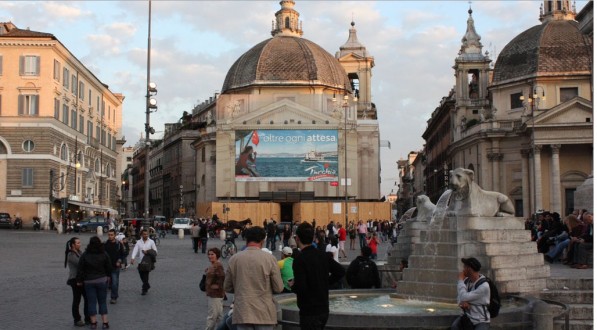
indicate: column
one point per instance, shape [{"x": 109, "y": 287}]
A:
[
  {"x": 524, "y": 161},
  {"x": 556, "y": 195},
  {"x": 537, "y": 175}
]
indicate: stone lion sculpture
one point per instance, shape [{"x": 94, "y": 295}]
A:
[
  {"x": 425, "y": 208},
  {"x": 468, "y": 199}
]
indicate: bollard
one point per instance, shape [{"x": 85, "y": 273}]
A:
[
  {"x": 223, "y": 235},
  {"x": 542, "y": 316},
  {"x": 99, "y": 231},
  {"x": 181, "y": 233},
  {"x": 58, "y": 228}
]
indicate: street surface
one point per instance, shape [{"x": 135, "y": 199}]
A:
[{"x": 34, "y": 294}]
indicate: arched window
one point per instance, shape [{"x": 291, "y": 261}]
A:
[
  {"x": 97, "y": 166},
  {"x": 64, "y": 152},
  {"x": 287, "y": 22}
]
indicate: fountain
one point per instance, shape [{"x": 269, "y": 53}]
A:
[{"x": 467, "y": 221}]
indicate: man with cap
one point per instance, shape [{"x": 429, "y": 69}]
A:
[
  {"x": 473, "y": 300},
  {"x": 285, "y": 265}
]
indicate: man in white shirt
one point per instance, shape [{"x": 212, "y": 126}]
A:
[{"x": 142, "y": 247}]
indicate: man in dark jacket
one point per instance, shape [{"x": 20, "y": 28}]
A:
[
  {"x": 362, "y": 273},
  {"x": 313, "y": 271},
  {"x": 115, "y": 251},
  {"x": 203, "y": 235}
]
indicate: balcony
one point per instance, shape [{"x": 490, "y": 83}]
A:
[{"x": 487, "y": 126}]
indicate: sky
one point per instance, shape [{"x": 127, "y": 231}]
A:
[{"x": 194, "y": 43}]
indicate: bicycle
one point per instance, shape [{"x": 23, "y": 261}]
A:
[
  {"x": 229, "y": 248},
  {"x": 155, "y": 239}
]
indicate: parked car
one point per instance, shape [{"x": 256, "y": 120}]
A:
[
  {"x": 91, "y": 224},
  {"x": 5, "y": 220},
  {"x": 181, "y": 223}
]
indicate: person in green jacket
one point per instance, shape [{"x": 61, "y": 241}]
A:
[{"x": 285, "y": 265}]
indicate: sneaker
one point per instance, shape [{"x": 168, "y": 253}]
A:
[
  {"x": 143, "y": 292},
  {"x": 80, "y": 323},
  {"x": 112, "y": 301}
]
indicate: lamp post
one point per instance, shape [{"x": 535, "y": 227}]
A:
[
  {"x": 150, "y": 105},
  {"x": 533, "y": 100},
  {"x": 345, "y": 106}
]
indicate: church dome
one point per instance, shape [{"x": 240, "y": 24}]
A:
[
  {"x": 550, "y": 48},
  {"x": 286, "y": 61}
]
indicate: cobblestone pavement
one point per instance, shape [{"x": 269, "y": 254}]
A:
[{"x": 34, "y": 294}]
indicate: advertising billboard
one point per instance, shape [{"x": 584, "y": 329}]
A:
[{"x": 286, "y": 155}]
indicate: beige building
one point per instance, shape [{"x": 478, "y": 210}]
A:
[
  {"x": 526, "y": 127},
  {"x": 292, "y": 125},
  {"x": 55, "y": 117}
]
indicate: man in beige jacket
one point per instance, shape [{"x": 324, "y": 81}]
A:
[{"x": 253, "y": 277}]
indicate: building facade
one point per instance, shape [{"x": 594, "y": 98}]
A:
[
  {"x": 525, "y": 127},
  {"x": 59, "y": 128}
]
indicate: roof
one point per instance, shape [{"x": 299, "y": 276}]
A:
[
  {"x": 286, "y": 61},
  {"x": 552, "y": 47},
  {"x": 9, "y": 30}
]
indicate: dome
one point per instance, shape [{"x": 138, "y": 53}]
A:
[
  {"x": 286, "y": 61},
  {"x": 550, "y": 48}
]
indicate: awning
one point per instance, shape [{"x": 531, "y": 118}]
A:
[{"x": 93, "y": 207}]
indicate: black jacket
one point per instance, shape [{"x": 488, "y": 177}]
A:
[
  {"x": 313, "y": 272},
  {"x": 93, "y": 266},
  {"x": 115, "y": 251},
  {"x": 352, "y": 274}
]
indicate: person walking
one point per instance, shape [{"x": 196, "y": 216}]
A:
[
  {"x": 472, "y": 300},
  {"x": 285, "y": 265},
  {"x": 214, "y": 288},
  {"x": 94, "y": 273},
  {"x": 203, "y": 235},
  {"x": 313, "y": 271},
  {"x": 116, "y": 252},
  {"x": 71, "y": 259},
  {"x": 143, "y": 248},
  {"x": 362, "y": 273},
  {"x": 352, "y": 234},
  {"x": 195, "y": 229},
  {"x": 373, "y": 241},
  {"x": 254, "y": 306},
  {"x": 362, "y": 230},
  {"x": 341, "y": 241}
]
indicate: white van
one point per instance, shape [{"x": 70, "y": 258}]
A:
[{"x": 181, "y": 223}]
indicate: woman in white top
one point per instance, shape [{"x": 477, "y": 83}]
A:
[{"x": 333, "y": 247}]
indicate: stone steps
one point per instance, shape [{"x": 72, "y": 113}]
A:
[
  {"x": 572, "y": 325},
  {"x": 577, "y": 293}
]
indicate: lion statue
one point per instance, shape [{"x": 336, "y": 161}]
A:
[
  {"x": 468, "y": 199},
  {"x": 425, "y": 208}
]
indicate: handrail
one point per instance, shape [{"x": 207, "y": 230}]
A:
[{"x": 564, "y": 314}]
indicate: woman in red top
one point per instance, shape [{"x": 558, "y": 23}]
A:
[{"x": 373, "y": 241}]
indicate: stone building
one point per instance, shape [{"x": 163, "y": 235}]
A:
[
  {"x": 525, "y": 128},
  {"x": 59, "y": 128},
  {"x": 293, "y": 125}
]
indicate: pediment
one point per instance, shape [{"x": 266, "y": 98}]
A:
[
  {"x": 285, "y": 111},
  {"x": 574, "y": 111}
]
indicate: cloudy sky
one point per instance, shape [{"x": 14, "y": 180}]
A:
[{"x": 194, "y": 43}]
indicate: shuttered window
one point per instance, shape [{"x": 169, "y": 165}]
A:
[
  {"x": 56, "y": 70},
  {"x": 27, "y": 180},
  {"x": 28, "y": 105},
  {"x": 29, "y": 65},
  {"x": 57, "y": 109}
]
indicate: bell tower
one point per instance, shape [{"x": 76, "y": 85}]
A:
[
  {"x": 357, "y": 63},
  {"x": 287, "y": 21}
]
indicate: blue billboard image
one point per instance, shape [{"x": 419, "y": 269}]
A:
[{"x": 286, "y": 155}]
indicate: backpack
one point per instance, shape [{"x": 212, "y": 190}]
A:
[
  {"x": 494, "y": 299},
  {"x": 365, "y": 274}
]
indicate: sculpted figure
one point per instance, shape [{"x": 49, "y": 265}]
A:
[
  {"x": 425, "y": 208},
  {"x": 468, "y": 199}
]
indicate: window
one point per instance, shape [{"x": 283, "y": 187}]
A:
[
  {"x": 109, "y": 141},
  {"x": 89, "y": 129},
  {"x": 287, "y": 22},
  {"x": 73, "y": 118},
  {"x": 203, "y": 155},
  {"x": 56, "y": 70},
  {"x": 97, "y": 132},
  {"x": 82, "y": 90},
  {"x": 27, "y": 180},
  {"x": 1, "y": 64},
  {"x": 74, "y": 85},
  {"x": 65, "y": 77},
  {"x": 81, "y": 123},
  {"x": 103, "y": 140},
  {"x": 97, "y": 108},
  {"x": 0, "y": 104},
  {"x": 89, "y": 99},
  {"x": 28, "y": 105},
  {"x": 568, "y": 93},
  {"x": 97, "y": 165},
  {"x": 515, "y": 101},
  {"x": 57, "y": 109},
  {"x": 64, "y": 152},
  {"x": 113, "y": 143},
  {"x": 28, "y": 146},
  {"x": 65, "y": 114},
  {"x": 103, "y": 108},
  {"x": 29, "y": 65}
]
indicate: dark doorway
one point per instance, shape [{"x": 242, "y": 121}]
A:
[{"x": 286, "y": 212}]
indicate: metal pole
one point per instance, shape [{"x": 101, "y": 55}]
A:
[
  {"x": 51, "y": 198},
  {"x": 345, "y": 164},
  {"x": 147, "y": 143}
]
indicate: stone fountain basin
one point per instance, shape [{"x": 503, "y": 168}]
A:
[{"x": 378, "y": 309}]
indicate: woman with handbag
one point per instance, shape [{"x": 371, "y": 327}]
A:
[
  {"x": 94, "y": 273},
  {"x": 71, "y": 258},
  {"x": 214, "y": 288}
]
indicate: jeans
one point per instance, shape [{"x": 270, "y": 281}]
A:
[
  {"x": 145, "y": 279},
  {"x": 78, "y": 292},
  {"x": 362, "y": 240},
  {"x": 115, "y": 276},
  {"x": 96, "y": 295},
  {"x": 557, "y": 251},
  {"x": 203, "y": 244},
  {"x": 310, "y": 322},
  {"x": 195, "y": 244}
]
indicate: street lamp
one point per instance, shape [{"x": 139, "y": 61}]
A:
[
  {"x": 345, "y": 106},
  {"x": 150, "y": 105},
  {"x": 533, "y": 100},
  {"x": 58, "y": 183}
]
